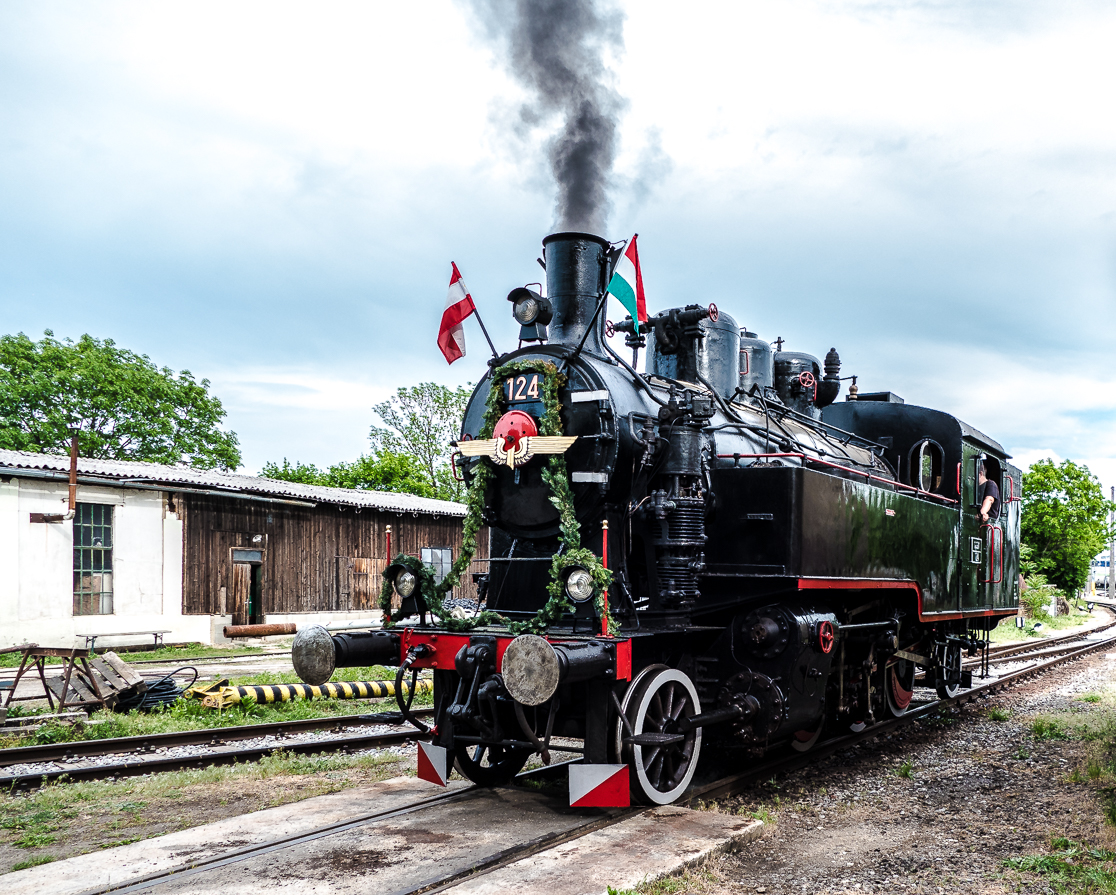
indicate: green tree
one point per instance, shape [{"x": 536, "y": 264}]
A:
[
  {"x": 123, "y": 406},
  {"x": 420, "y": 422},
  {"x": 380, "y": 472},
  {"x": 1064, "y": 521}
]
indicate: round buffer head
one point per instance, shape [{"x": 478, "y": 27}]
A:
[
  {"x": 313, "y": 655},
  {"x": 530, "y": 669}
]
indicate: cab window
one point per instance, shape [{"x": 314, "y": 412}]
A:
[{"x": 925, "y": 465}]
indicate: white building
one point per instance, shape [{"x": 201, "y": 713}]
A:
[{"x": 167, "y": 548}]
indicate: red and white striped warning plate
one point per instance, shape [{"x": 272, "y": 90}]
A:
[
  {"x": 433, "y": 763},
  {"x": 599, "y": 786}
]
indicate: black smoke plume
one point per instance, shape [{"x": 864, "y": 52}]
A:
[{"x": 556, "y": 50}]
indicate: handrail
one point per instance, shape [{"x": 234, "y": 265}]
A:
[
  {"x": 999, "y": 576},
  {"x": 806, "y": 458}
]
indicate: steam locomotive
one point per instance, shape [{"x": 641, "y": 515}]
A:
[{"x": 764, "y": 562}]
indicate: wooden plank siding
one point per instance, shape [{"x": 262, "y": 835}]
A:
[{"x": 316, "y": 559}]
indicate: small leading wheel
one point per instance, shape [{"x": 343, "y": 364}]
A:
[
  {"x": 489, "y": 765},
  {"x": 899, "y": 686},
  {"x": 664, "y": 764},
  {"x": 949, "y": 671}
]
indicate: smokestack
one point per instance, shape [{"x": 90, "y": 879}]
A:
[{"x": 576, "y": 268}]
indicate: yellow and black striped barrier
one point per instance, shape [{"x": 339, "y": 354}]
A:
[{"x": 220, "y": 695}]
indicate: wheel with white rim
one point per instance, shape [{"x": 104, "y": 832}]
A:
[
  {"x": 661, "y": 756},
  {"x": 949, "y": 670},
  {"x": 899, "y": 686}
]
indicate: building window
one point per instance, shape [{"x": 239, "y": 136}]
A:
[
  {"x": 93, "y": 559},
  {"x": 440, "y": 559}
]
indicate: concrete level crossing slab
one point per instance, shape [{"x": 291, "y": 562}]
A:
[
  {"x": 641, "y": 848},
  {"x": 410, "y": 844},
  {"x": 126, "y": 863},
  {"x": 394, "y": 855}
]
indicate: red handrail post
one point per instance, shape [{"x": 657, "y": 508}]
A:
[{"x": 604, "y": 562}]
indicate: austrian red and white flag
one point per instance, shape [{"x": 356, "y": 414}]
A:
[{"x": 459, "y": 305}]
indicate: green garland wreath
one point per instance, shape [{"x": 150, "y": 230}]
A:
[{"x": 570, "y": 553}]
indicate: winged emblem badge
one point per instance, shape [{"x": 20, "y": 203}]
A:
[{"x": 516, "y": 441}]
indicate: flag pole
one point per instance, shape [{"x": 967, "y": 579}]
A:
[{"x": 495, "y": 353}]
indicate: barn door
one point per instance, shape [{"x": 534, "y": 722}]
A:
[
  {"x": 361, "y": 580},
  {"x": 240, "y": 592}
]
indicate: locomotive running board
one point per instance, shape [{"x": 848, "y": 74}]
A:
[{"x": 599, "y": 786}]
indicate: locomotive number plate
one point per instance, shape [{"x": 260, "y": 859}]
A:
[
  {"x": 975, "y": 550},
  {"x": 523, "y": 388}
]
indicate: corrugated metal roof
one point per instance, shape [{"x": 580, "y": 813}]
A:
[{"x": 123, "y": 472}]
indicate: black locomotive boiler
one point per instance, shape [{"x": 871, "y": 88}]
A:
[{"x": 716, "y": 554}]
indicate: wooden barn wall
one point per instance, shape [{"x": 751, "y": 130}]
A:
[{"x": 320, "y": 559}]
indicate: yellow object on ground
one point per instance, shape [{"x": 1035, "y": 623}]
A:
[{"x": 220, "y": 695}]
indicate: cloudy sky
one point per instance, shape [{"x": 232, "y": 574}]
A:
[{"x": 270, "y": 194}]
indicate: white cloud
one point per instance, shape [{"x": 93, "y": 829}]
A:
[{"x": 275, "y": 193}]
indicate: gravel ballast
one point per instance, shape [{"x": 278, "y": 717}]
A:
[{"x": 937, "y": 807}]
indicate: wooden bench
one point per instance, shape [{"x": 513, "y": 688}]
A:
[{"x": 91, "y": 639}]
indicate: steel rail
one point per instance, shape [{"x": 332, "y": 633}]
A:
[
  {"x": 1012, "y": 648},
  {"x": 140, "y": 766},
  {"x": 210, "y": 736},
  {"x": 722, "y": 788}
]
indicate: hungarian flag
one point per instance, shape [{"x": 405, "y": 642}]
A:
[
  {"x": 459, "y": 305},
  {"x": 627, "y": 283}
]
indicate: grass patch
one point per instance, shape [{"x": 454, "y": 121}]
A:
[
  {"x": 905, "y": 770},
  {"x": 169, "y": 654},
  {"x": 1007, "y": 632},
  {"x": 688, "y": 881},
  {"x": 102, "y": 813},
  {"x": 1049, "y": 729},
  {"x": 998, "y": 714},
  {"x": 1071, "y": 867},
  {"x": 33, "y": 862},
  {"x": 1090, "y": 697},
  {"x": 761, "y": 813}
]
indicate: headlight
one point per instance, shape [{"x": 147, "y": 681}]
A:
[
  {"x": 579, "y": 585},
  {"x": 526, "y": 310},
  {"x": 404, "y": 583}
]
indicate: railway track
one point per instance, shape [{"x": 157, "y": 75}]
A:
[
  {"x": 431, "y": 813},
  {"x": 1046, "y": 645},
  {"x": 143, "y": 754}
]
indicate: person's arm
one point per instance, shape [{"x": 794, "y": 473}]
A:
[{"x": 986, "y": 506}]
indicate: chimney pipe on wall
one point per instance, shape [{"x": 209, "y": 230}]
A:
[{"x": 73, "y": 476}]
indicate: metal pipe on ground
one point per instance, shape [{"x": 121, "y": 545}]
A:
[{"x": 259, "y": 630}]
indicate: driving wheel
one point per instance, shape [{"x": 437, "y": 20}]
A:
[
  {"x": 949, "y": 670},
  {"x": 662, "y": 757},
  {"x": 899, "y": 686},
  {"x": 489, "y": 765}
]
